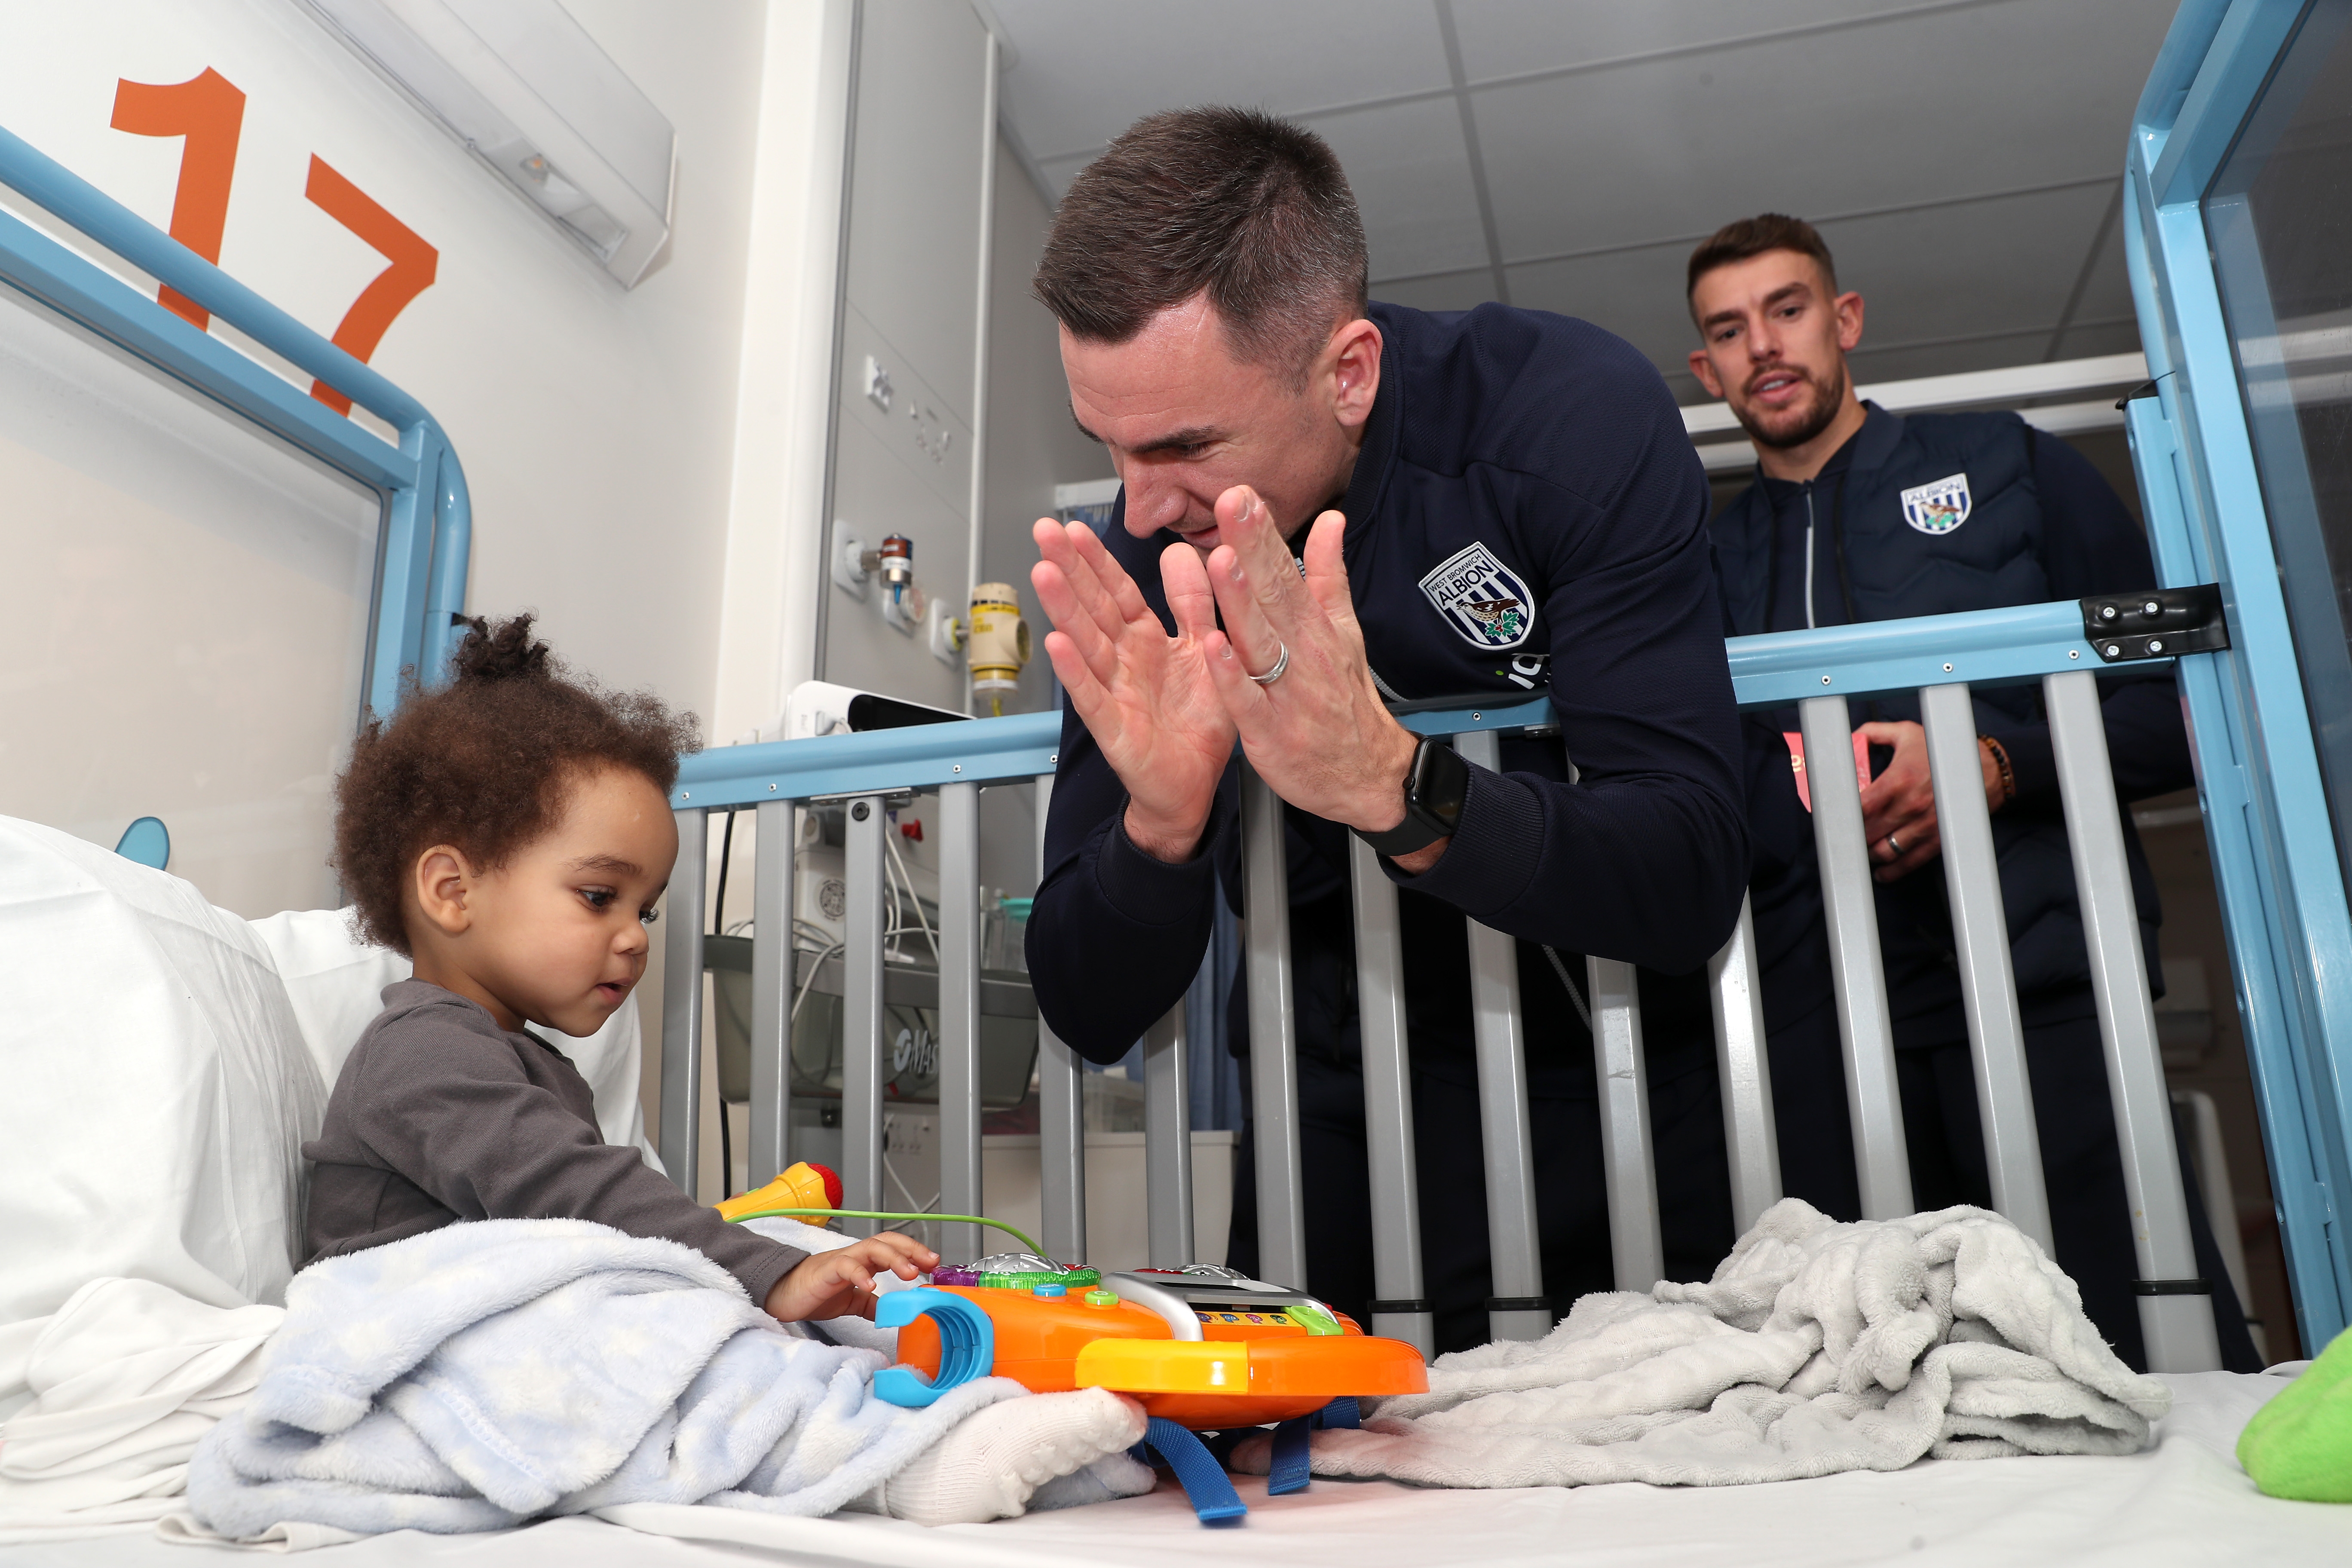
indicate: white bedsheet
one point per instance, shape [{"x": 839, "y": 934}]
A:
[{"x": 2185, "y": 1502}]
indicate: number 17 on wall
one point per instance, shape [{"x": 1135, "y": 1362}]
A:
[{"x": 208, "y": 112}]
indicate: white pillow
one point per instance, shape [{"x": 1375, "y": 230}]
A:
[
  {"x": 336, "y": 983},
  {"x": 157, "y": 1090}
]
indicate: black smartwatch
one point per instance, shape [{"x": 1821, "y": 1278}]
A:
[{"x": 1434, "y": 790}]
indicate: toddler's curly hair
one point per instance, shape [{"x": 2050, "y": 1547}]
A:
[{"x": 484, "y": 763}]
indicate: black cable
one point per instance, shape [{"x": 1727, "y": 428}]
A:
[
  {"x": 719, "y": 919},
  {"x": 726, "y": 853}
]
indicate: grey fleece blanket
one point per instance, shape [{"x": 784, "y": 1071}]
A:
[
  {"x": 1818, "y": 1347},
  {"x": 486, "y": 1373}
]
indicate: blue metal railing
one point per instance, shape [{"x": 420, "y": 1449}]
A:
[
  {"x": 428, "y": 519},
  {"x": 1940, "y": 658},
  {"x": 1985, "y": 648}
]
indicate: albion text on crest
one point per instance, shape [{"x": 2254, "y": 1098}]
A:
[
  {"x": 1938, "y": 508},
  {"x": 1481, "y": 598}
]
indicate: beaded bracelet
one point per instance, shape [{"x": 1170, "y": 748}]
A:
[{"x": 2000, "y": 761}]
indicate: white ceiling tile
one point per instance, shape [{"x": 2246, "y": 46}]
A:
[
  {"x": 2107, "y": 291},
  {"x": 1967, "y": 270},
  {"x": 1509, "y": 37},
  {"x": 1637, "y": 294},
  {"x": 1085, "y": 71},
  {"x": 2086, "y": 339},
  {"x": 1411, "y": 174},
  {"x": 1939, "y": 103},
  {"x": 1452, "y": 291},
  {"x": 1901, "y": 361},
  {"x": 1944, "y": 105}
]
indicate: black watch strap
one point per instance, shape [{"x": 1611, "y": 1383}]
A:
[{"x": 1434, "y": 786}]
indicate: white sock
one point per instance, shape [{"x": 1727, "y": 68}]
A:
[{"x": 990, "y": 1465}]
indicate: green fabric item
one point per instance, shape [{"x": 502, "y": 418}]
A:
[{"x": 2300, "y": 1445}]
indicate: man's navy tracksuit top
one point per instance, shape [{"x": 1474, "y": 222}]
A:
[{"x": 1527, "y": 514}]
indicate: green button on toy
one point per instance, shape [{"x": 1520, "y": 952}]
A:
[{"x": 1102, "y": 1297}]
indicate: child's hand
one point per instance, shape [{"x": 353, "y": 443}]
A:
[{"x": 840, "y": 1283}]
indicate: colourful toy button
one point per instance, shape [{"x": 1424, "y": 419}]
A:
[
  {"x": 1049, "y": 1291},
  {"x": 1102, "y": 1297}
]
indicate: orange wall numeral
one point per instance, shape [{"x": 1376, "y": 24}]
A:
[
  {"x": 413, "y": 264},
  {"x": 209, "y": 111}
]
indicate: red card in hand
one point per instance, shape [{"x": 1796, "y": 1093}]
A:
[{"x": 1796, "y": 740}]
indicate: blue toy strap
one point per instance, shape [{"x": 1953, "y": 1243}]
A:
[
  {"x": 1204, "y": 1480},
  {"x": 1290, "y": 1468},
  {"x": 1342, "y": 1415},
  {"x": 967, "y": 1344}
]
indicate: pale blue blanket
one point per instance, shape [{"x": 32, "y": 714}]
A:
[{"x": 488, "y": 1372}]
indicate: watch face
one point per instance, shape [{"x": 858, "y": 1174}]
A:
[{"x": 1441, "y": 779}]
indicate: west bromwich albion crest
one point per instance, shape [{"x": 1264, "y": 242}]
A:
[
  {"x": 1481, "y": 598},
  {"x": 1938, "y": 508}
]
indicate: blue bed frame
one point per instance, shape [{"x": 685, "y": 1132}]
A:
[
  {"x": 427, "y": 529},
  {"x": 2266, "y": 811},
  {"x": 2289, "y": 924}
]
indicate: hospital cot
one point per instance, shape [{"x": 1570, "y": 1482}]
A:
[{"x": 2182, "y": 1499}]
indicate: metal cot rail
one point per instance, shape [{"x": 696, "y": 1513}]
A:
[{"x": 1939, "y": 657}]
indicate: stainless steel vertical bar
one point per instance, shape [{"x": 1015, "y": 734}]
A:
[
  {"x": 861, "y": 1009},
  {"x": 959, "y": 1017},
  {"x": 1061, "y": 1116},
  {"x": 1274, "y": 1070},
  {"x": 1980, "y": 941},
  {"x": 1745, "y": 1072},
  {"x": 771, "y": 992},
  {"x": 2178, "y": 1324},
  {"x": 1388, "y": 1106},
  {"x": 1637, "y": 1253},
  {"x": 1516, "y": 1309},
  {"x": 1873, "y": 1100},
  {"x": 681, "y": 1041},
  {"x": 1167, "y": 1143}
]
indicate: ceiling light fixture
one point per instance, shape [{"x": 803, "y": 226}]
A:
[{"x": 527, "y": 92}]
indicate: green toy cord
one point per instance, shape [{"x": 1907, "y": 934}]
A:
[{"x": 879, "y": 1213}]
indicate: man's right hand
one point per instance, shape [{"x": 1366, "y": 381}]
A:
[{"x": 1146, "y": 697}]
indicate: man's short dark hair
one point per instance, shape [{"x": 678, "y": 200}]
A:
[
  {"x": 1251, "y": 208},
  {"x": 1752, "y": 236}
]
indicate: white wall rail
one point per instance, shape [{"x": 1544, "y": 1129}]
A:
[{"x": 1939, "y": 657}]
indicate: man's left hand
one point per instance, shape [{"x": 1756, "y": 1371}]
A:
[
  {"x": 1319, "y": 734},
  {"x": 1898, "y": 806}
]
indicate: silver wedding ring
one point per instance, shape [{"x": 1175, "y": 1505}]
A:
[
  {"x": 1891, "y": 844},
  {"x": 1281, "y": 664}
]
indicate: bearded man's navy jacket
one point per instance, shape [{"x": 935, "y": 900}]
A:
[{"x": 1526, "y": 515}]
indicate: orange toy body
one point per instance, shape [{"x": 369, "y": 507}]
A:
[
  {"x": 1248, "y": 1367},
  {"x": 1037, "y": 1341}
]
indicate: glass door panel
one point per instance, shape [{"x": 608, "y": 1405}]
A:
[{"x": 2279, "y": 217}]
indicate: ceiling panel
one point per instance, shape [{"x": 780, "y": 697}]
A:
[
  {"x": 1602, "y": 178},
  {"x": 1510, "y": 38},
  {"x": 1085, "y": 71},
  {"x": 1649, "y": 150},
  {"x": 1970, "y": 268},
  {"x": 1448, "y": 291},
  {"x": 1637, "y": 294},
  {"x": 1411, "y": 174}
]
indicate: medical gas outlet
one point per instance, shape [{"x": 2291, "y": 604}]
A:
[{"x": 902, "y": 602}]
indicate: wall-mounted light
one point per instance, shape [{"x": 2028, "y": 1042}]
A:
[{"x": 529, "y": 92}]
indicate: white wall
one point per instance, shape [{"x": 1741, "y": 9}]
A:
[
  {"x": 1033, "y": 442},
  {"x": 599, "y": 426}
]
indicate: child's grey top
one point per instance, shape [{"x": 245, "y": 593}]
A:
[{"x": 440, "y": 1115}]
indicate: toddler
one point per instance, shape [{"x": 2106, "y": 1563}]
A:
[{"x": 510, "y": 833}]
